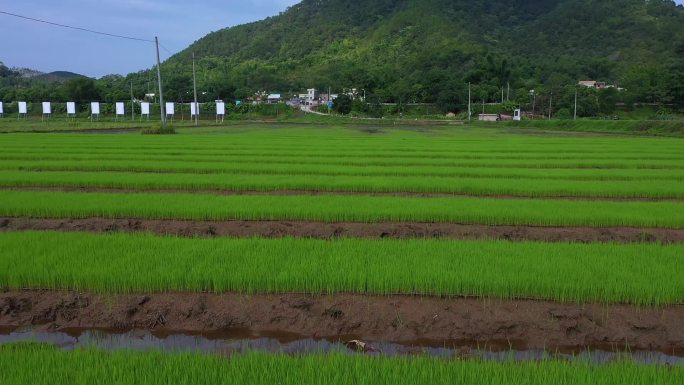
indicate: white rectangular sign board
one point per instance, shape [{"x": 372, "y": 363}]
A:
[
  {"x": 145, "y": 108},
  {"x": 220, "y": 108},
  {"x": 1, "y": 110},
  {"x": 120, "y": 109},
  {"x": 47, "y": 108},
  {"x": 170, "y": 109},
  {"x": 71, "y": 108},
  {"x": 22, "y": 108},
  {"x": 192, "y": 109},
  {"x": 95, "y": 108}
]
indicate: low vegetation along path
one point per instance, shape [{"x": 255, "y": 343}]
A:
[{"x": 432, "y": 237}]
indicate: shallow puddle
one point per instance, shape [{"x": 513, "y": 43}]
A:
[{"x": 241, "y": 341}]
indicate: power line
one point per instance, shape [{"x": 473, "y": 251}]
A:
[
  {"x": 166, "y": 49},
  {"x": 76, "y": 28}
]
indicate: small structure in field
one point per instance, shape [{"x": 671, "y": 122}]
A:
[
  {"x": 170, "y": 110},
  {"x": 47, "y": 110},
  {"x": 95, "y": 111},
  {"x": 23, "y": 110},
  {"x": 71, "y": 110},
  {"x": 145, "y": 110},
  {"x": 517, "y": 115}
]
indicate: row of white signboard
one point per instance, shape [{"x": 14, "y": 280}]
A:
[{"x": 120, "y": 108}]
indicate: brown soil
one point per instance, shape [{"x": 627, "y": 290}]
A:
[
  {"x": 429, "y": 321},
  {"x": 323, "y": 230}
]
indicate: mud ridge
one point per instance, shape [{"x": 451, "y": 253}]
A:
[
  {"x": 323, "y": 230},
  {"x": 402, "y": 319}
]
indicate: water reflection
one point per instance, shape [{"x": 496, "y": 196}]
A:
[{"x": 240, "y": 342}]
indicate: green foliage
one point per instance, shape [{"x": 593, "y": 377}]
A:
[
  {"x": 45, "y": 365},
  {"x": 124, "y": 263},
  {"x": 343, "y": 104},
  {"x": 426, "y": 51},
  {"x": 159, "y": 130},
  {"x": 81, "y": 90}
]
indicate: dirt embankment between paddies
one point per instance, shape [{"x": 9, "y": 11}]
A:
[
  {"x": 424, "y": 321},
  {"x": 323, "y": 230}
]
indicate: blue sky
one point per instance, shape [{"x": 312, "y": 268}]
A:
[{"x": 177, "y": 23}]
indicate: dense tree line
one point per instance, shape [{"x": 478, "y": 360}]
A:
[{"x": 426, "y": 51}]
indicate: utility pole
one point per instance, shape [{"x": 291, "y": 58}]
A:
[
  {"x": 575, "y": 118},
  {"x": 469, "y": 110},
  {"x": 533, "y": 93},
  {"x": 508, "y": 93},
  {"x": 132, "y": 111},
  {"x": 159, "y": 79},
  {"x": 194, "y": 85},
  {"x": 550, "y": 105}
]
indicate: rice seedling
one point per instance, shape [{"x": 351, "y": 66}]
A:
[
  {"x": 41, "y": 364},
  {"x": 276, "y": 168},
  {"x": 386, "y": 184},
  {"x": 644, "y": 274},
  {"x": 297, "y": 159},
  {"x": 341, "y": 208}
]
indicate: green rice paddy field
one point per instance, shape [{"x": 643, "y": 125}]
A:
[
  {"x": 645, "y": 274},
  {"x": 485, "y": 176},
  {"x": 460, "y": 176}
]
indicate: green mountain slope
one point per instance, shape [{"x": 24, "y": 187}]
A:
[
  {"x": 403, "y": 51},
  {"x": 427, "y": 50},
  {"x": 58, "y": 76}
]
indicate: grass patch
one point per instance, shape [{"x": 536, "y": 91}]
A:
[{"x": 158, "y": 130}]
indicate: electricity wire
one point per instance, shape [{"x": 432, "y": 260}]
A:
[{"x": 76, "y": 28}]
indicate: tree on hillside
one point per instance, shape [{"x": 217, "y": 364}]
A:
[
  {"x": 4, "y": 71},
  {"x": 81, "y": 90},
  {"x": 343, "y": 104}
]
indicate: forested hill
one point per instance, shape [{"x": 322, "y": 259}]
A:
[
  {"x": 423, "y": 50},
  {"x": 406, "y": 51}
]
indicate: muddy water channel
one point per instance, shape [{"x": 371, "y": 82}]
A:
[{"x": 238, "y": 341}]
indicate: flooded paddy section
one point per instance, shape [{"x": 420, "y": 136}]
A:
[
  {"x": 433, "y": 322},
  {"x": 243, "y": 341}
]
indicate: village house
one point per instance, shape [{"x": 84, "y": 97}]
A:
[
  {"x": 592, "y": 84},
  {"x": 273, "y": 99},
  {"x": 310, "y": 98},
  {"x": 598, "y": 85},
  {"x": 328, "y": 98}
]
